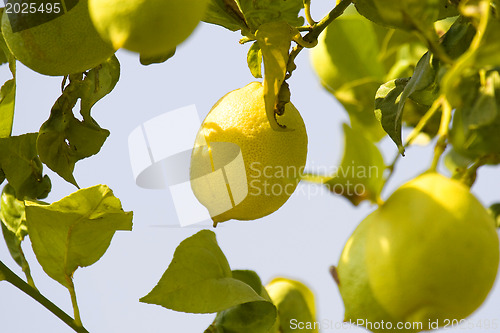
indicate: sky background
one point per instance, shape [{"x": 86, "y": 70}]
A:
[{"x": 301, "y": 240}]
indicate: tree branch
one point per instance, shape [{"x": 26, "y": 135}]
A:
[{"x": 19, "y": 283}]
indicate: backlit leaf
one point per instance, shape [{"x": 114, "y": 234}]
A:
[
  {"x": 75, "y": 231},
  {"x": 22, "y": 167},
  {"x": 199, "y": 280}
]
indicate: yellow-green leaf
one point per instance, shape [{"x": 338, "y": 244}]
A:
[
  {"x": 75, "y": 231},
  {"x": 253, "y": 317},
  {"x": 22, "y": 167},
  {"x": 199, "y": 280},
  {"x": 274, "y": 39},
  {"x": 360, "y": 175},
  {"x": 254, "y": 60}
]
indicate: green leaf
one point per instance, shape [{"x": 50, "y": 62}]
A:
[
  {"x": 14, "y": 228},
  {"x": 7, "y": 103},
  {"x": 421, "y": 81},
  {"x": 274, "y": 39},
  {"x": 157, "y": 59},
  {"x": 488, "y": 52},
  {"x": 253, "y": 317},
  {"x": 2, "y": 176},
  {"x": 98, "y": 82},
  {"x": 4, "y": 51},
  {"x": 22, "y": 167},
  {"x": 7, "y": 92},
  {"x": 199, "y": 280},
  {"x": 63, "y": 139},
  {"x": 456, "y": 163},
  {"x": 495, "y": 212},
  {"x": 225, "y": 13},
  {"x": 3, "y": 54},
  {"x": 12, "y": 213},
  {"x": 458, "y": 37},
  {"x": 249, "y": 277},
  {"x": 14, "y": 245},
  {"x": 75, "y": 231},
  {"x": 386, "y": 109},
  {"x": 475, "y": 130},
  {"x": 360, "y": 174},
  {"x": 254, "y": 60},
  {"x": 485, "y": 109},
  {"x": 258, "y": 12}
]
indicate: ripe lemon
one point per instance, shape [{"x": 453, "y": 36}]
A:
[
  {"x": 149, "y": 27},
  {"x": 63, "y": 45},
  {"x": 428, "y": 255},
  {"x": 240, "y": 167},
  {"x": 295, "y": 303}
]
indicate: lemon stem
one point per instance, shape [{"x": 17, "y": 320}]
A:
[
  {"x": 443, "y": 134},
  {"x": 307, "y": 11}
]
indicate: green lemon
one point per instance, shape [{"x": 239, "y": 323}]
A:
[
  {"x": 430, "y": 255},
  {"x": 59, "y": 44},
  {"x": 150, "y": 27},
  {"x": 240, "y": 167},
  {"x": 361, "y": 306}
]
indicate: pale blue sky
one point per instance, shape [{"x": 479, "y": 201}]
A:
[{"x": 300, "y": 241}]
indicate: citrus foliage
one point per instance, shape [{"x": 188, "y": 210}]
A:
[{"x": 430, "y": 67}]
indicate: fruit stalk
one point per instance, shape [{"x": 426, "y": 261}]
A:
[
  {"x": 316, "y": 30},
  {"x": 444, "y": 128}
]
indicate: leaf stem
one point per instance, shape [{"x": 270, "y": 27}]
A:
[
  {"x": 16, "y": 281},
  {"x": 307, "y": 10},
  {"x": 72, "y": 292}
]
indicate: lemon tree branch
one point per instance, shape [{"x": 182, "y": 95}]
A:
[
  {"x": 311, "y": 37},
  {"x": 16, "y": 281}
]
